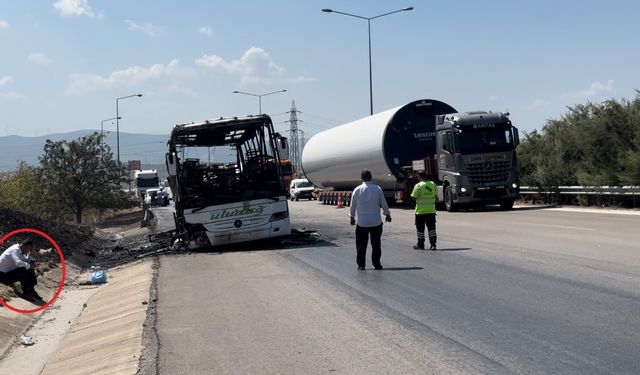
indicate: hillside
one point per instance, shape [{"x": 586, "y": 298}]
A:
[{"x": 148, "y": 148}]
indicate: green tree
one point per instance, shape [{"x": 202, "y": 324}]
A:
[
  {"x": 81, "y": 174},
  {"x": 592, "y": 144},
  {"x": 21, "y": 190}
]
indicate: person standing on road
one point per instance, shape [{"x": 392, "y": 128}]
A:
[
  {"x": 16, "y": 264},
  {"x": 425, "y": 195},
  {"x": 366, "y": 201}
]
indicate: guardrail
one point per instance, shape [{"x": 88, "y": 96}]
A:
[
  {"x": 583, "y": 190},
  {"x": 608, "y": 195}
]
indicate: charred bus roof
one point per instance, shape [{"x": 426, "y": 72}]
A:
[{"x": 223, "y": 131}]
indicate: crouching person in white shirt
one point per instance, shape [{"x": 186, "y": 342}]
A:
[{"x": 17, "y": 264}]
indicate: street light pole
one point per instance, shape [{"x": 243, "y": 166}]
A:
[
  {"x": 118, "y": 121},
  {"x": 326, "y": 10},
  {"x": 102, "y": 130},
  {"x": 259, "y": 96},
  {"x": 370, "y": 71}
]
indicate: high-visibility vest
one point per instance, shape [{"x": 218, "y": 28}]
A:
[{"x": 425, "y": 195}]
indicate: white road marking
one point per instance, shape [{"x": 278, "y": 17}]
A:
[
  {"x": 559, "y": 226},
  {"x": 599, "y": 211}
]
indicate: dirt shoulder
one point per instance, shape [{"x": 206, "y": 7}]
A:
[
  {"x": 115, "y": 241},
  {"x": 107, "y": 337},
  {"x": 96, "y": 329}
]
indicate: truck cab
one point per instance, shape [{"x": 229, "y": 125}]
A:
[
  {"x": 144, "y": 180},
  {"x": 476, "y": 159}
]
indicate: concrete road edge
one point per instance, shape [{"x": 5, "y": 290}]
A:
[{"x": 108, "y": 335}]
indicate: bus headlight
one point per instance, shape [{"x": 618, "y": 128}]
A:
[
  {"x": 279, "y": 216},
  {"x": 463, "y": 189},
  {"x": 514, "y": 185}
]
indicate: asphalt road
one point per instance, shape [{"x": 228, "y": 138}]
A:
[{"x": 540, "y": 291}]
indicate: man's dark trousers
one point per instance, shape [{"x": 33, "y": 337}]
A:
[
  {"x": 27, "y": 278},
  {"x": 430, "y": 221},
  {"x": 362, "y": 240}
]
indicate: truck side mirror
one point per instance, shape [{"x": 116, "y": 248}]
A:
[{"x": 516, "y": 137}]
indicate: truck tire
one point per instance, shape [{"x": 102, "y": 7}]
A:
[
  {"x": 448, "y": 199},
  {"x": 506, "y": 204}
]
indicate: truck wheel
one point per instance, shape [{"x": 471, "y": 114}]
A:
[
  {"x": 448, "y": 200},
  {"x": 297, "y": 198},
  {"x": 506, "y": 204}
]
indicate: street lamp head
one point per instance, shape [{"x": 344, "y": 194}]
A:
[
  {"x": 408, "y": 8},
  {"x": 327, "y": 10},
  {"x": 139, "y": 95},
  {"x": 236, "y": 92},
  {"x": 285, "y": 90}
]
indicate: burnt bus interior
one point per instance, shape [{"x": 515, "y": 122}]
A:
[{"x": 205, "y": 181}]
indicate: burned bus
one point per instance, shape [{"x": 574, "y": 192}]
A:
[{"x": 227, "y": 182}]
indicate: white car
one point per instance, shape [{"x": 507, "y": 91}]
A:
[
  {"x": 301, "y": 189},
  {"x": 157, "y": 197}
]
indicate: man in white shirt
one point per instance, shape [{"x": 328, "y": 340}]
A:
[
  {"x": 16, "y": 264},
  {"x": 366, "y": 201}
]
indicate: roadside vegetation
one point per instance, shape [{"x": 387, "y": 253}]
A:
[
  {"x": 72, "y": 178},
  {"x": 593, "y": 144}
]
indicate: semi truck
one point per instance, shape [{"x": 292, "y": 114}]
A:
[
  {"x": 470, "y": 155},
  {"x": 145, "y": 179},
  {"x": 238, "y": 195}
]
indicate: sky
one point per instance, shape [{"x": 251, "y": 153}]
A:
[{"x": 63, "y": 63}]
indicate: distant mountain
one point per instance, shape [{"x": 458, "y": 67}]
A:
[{"x": 148, "y": 148}]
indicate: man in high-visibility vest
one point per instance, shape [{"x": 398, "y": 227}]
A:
[{"x": 425, "y": 195}]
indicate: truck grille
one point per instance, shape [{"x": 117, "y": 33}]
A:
[{"x": 488, "y": 172}]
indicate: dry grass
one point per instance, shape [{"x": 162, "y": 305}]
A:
[{"x": 6, "y": 292}]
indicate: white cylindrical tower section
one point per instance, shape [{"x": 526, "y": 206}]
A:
[
  {"x": 334, "y": 158},
  {"x": 382, "y": 143}
]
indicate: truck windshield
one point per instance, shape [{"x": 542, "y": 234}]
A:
[
  {"x": 477, "y": 141},
  {"x": 147, "y": 182}
]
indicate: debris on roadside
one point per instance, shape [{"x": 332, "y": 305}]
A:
[
  {"x": 26, "y": 340},
  {"x": 97, "y": 275},
  {"x": 300, "y": 237},
  {"x": 114, "y": 237}
]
